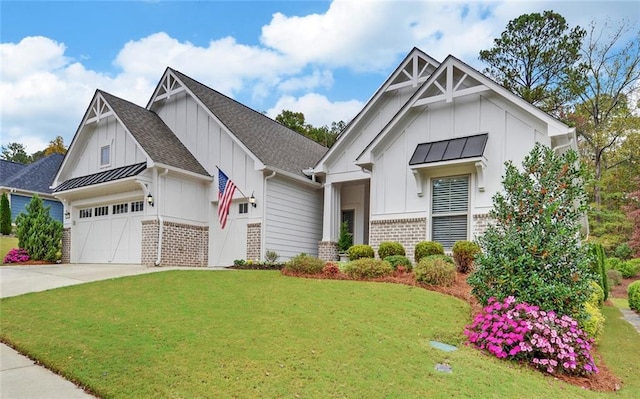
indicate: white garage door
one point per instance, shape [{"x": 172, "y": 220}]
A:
[
  {"x": 109, "y": 233},
  {"x": 229, "y": 244}
]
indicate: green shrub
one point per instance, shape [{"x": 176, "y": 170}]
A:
[
  {"x": 426, "y": 248},
  {"x": 304, "y": 263},
  {"x": 38, "y": 232},
  {"x": 445, "y": 258},
  {"x": 390, "y": 248},
  {"x": 633, "y": 291},
  {"x": 532, "y": 250},
  {"x": 361, "y": 251},
  {"x": 435, "y": 271},
  {"x": 271, "y": 256},
  {"x": 613, "y": 263},
  {"x": 597, "y": 295},
  {"x": 464, "y": 252},
  {"x": 346, "y": 239},
  {"x": 628, "y": 269},
  {"x": 598, "y": 267},
  {"x": 614, "y": 277},
  {"x": 399, "y": 260},
  {"x": 5, "y": 215},
  {"x": 593, "y": 321},
  {"x": 368, "y": 268},
  {"x": 623, "y": 251}
]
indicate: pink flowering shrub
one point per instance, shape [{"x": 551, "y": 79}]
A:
[
  {"x": 16, "y": 255},
  {"x": 519, "y": 331}
]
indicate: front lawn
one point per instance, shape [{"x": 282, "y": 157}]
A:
[
  {"x": 258, "y": 334},
  {"x": 6, "y": 244}
]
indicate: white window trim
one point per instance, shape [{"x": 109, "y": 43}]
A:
[
  {"x": 469, "y": 207},
  {"x": 108, "y": 163}
]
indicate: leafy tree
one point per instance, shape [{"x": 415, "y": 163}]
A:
[
  {"x": 5, "y": 215},
  {"x": 633, "y": 213},
  {"x": 533, "y": 249},
  {"x": 56, "y": 146},
  {"x": 15, "y": 152},
  {"x": 606, "y": 114},
  {"x": 324, "y": 135},
  {"x": 293, "y": 120},
  {"x": 38, "y": 232},
  {"x": 535, "y": 57}
]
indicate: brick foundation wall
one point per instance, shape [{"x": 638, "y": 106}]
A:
[
  {"x": 328, "y": 250},
  {"x": 66, "y": 245},
  {"x": 407, "y": 232},
  {"x": 182, "y": 244},
  {"x": 149, "y": 242},
  {"x": 480, "y": 224},
  {"x": 254, "y": 232}
]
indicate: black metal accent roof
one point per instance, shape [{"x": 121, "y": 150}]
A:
[
  {"x": 102, "y": 177},
  {"x": 450, "y": 150}
]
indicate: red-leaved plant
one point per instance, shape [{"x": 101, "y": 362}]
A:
[{"x": 16, "y": 255}]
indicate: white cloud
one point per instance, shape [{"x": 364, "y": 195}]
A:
[{"x": 317, "y": 109}]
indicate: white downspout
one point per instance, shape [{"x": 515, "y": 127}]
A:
[
  {"x": 264, "y": 214},
  {"x": 160, "y": 220}
]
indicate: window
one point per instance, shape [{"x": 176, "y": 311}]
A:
[
  {"x": 105, "y": 155},
  {"x": 101, "y": 211},
  {"x": 137, "y": 206},
  {"x": 243, "y": 208},
  {"x": 85, "y": 213},
  {"x": 449, "y": 210},
  {"x": 120, "y": 208}
]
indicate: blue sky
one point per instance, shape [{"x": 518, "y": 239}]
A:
[{"x": 322, "y": 58}]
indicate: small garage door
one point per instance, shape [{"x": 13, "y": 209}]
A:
[{"x": 110, "y": 233}]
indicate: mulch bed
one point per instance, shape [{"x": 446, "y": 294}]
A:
[
  {"x": 604, "y": 381},
  {"x": 30, "y": 263}
]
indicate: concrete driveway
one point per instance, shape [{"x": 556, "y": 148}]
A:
[{"x": 20, "y": 377}]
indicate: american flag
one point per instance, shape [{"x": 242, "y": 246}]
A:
[{"x": 226, "y": 188}]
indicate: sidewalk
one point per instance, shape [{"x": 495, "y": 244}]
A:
[{"x": 21, "y": 377}]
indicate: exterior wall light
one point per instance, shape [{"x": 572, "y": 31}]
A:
[
  {"x": 67, "y": 215},
  {"x": 252, "y": 200},
  {"x": 150, "y": 199}
]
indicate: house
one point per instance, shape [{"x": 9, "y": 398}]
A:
[
  {"x": 21, "y": 182},
  {"x": 421, "y": 161},
  {"x": 426, "y": 154},
  {"x": 141, "y": 184}
]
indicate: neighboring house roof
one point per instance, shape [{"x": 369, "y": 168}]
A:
[
  {"x": 272, "y": 143},
  {"x": 102, "y": 177},
  {"x": 9, "y": 168},
  {"x": 153, "y": 135},
  {"x": 36, "y": 177}
]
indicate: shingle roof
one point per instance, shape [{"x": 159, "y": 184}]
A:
[
  {"x": 155, "y": 137},
  {"x": 36, "y": 177},
  {"x": 102, "y": 177},
  {"x": 274, "y": 144},
  {"x": 8, "y": 169}
]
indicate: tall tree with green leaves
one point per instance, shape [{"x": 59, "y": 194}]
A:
[
  {"x": 15, "y": 152},
  {"x": 607, "y": 111},
  {"x": 5, "y": 215},
  {"x": 324, "y": 135},
  {"x": 535, "y": 57}
]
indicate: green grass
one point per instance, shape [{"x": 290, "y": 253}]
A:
[
  {"x": 258, "y": 334},
  {"x": 6, "y": 244}
]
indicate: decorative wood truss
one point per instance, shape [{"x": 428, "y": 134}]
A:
[
  {"x": 168, "y": 87},
  {"x": 416, "y": 71},
  {"x": 450, "y": 82},
  {"x": 99, "y": 109}
]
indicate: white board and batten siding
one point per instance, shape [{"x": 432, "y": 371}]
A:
[{"x": 293, "y": 218}]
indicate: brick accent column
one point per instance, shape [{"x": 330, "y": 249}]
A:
[
  {"x": 66, "y": 245},
  {"x": 480, "y": 224},
  {"x": 407, "y": 232},
  {"x": 185, "y": 245},
  {"x": 254, "y": 238},
  {"x": 149, "y": 242},
  {"x": 328, "y": 250}
]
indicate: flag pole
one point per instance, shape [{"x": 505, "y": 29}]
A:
[{"x": 237, "y": 188}]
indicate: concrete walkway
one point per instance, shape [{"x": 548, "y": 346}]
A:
[{"x": 21, "y": 377}]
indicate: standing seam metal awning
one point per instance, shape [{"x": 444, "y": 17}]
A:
[
  {"x": 450, "y": 150},
  {"x": 102, "y": 177}
]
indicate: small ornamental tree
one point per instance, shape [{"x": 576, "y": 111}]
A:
[
  {"x": 38, "y": 232},
  {"x": 5, "y": 215},
  {"x": 532, "y": 252},
  {"x": 633, "y": 213}
]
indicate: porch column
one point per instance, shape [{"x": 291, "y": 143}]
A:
[{"x": 331, "y": 216}]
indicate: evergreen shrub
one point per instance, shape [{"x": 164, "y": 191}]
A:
[
  {"x": 304, "y": 263},
  {"x": 426, "y": 248},
  {"x": 593, "y": 322},
  {"x": 367, "y": 268},
  {"x": 399, "y": 260},
  {"x": 633, "y": 292},
  {"x": 361, "y": 251},
  {"x": 597, "y": 295},
  {"x": 38, "y": 233},
  {"x": 435, "y": 271},
  {"x": 390, "y": 248},
  {"x": 533, "y": 250},
  {"x": 5, "y": 215},
  {"x": 599, "y": 267},
  {"x": 614, "y": 277},
  {"x": 464, "y": 252}
]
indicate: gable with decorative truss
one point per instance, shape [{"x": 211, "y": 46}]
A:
[
  {"x": 415, "y": 71},
  {"x": 168, "y": 86},
  {"x": 99, "y": 109},
  {"x": 450, "y": 81}
]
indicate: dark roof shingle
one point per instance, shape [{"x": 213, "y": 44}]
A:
[
  {"x": 153, "y": 135},
  {"x": 274, "y": 144},
  {"x": 36, "y": 177}
]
